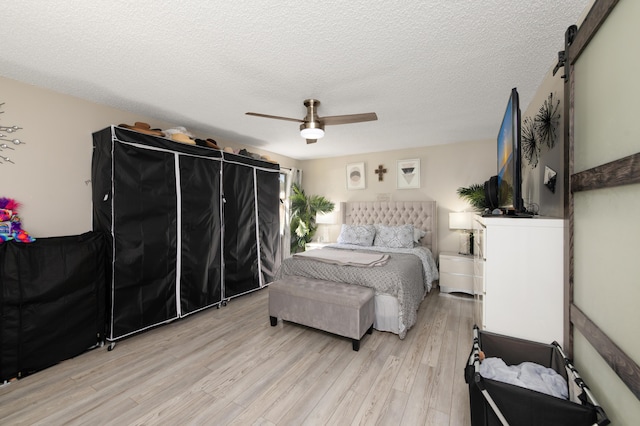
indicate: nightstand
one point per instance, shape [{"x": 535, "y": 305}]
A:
[{"x": 456, "y": 273}]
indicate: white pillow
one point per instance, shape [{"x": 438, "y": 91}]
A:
[
  {"x": 394, "y": 236},
  {"x": 360, "y": 235},
  {"x": 417, "y": 234}
]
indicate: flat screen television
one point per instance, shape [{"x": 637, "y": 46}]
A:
[{"x": 510, "y": 159}]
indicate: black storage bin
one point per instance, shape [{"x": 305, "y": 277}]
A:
[
  {"x": 52, "y": 301},
  {"x": 498, "y": 403}
]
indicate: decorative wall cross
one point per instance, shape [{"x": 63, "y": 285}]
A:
[{"x": 380, "y": 171}]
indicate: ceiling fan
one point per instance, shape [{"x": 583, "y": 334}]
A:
[{"x": 312, "y": 127}]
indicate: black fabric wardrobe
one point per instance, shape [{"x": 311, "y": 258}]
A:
[
  {"x": 189, "y": 226},
  {"x": 52, "y": 301}
]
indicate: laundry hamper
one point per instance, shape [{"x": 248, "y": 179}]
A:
[{"x": 498, "y": 403}]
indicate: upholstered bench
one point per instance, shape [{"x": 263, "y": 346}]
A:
[{"x": 343, "y": 309}]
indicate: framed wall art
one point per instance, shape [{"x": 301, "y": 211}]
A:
[
  {"x": 356, "y": 176},
  {"x": 409, "y": 174},
  {"x": 550, "y": 177}
]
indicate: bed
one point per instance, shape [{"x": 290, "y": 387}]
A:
[{"x": 406, "y": 274}]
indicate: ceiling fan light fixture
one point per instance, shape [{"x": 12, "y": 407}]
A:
[
  {"x": 311, "y": 131},
  {"x": 312, "y": 127}
]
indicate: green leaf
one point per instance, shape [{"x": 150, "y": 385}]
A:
[
  {"x": 303, "y": 216},
  {"x": 474, "y": 194}
]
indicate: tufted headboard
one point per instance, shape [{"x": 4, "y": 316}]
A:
[{"x": 421, "y": 214}]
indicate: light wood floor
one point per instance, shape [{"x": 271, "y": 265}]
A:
[{"x": 229, "y": 366}]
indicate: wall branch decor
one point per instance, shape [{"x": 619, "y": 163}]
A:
[{"x": 5, "y": 138}]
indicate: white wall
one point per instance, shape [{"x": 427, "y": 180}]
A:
[
  {"x": 444, "y": 168},
  {"x": 52, "y": 171}
]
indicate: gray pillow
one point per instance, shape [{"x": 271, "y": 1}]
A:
[
  {"x": 360, "y": 235},
  {"x": 394, "y": 236}
]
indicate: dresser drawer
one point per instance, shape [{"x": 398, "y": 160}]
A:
[
  {"x": 456, "y": 265},
  {"x": 456, "y": 273},
  {"x": 456, "y": 283}
]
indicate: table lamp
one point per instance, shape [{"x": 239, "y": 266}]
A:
[{"x": 463, "y": 221}]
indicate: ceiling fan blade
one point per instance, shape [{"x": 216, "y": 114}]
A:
[
  {"x": 346, "y": 119},
  {"x": 277, "y": 117},
  {"x": 311, "y": 141}
]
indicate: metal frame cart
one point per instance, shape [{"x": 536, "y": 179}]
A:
[{"x": 498, "y": 403}]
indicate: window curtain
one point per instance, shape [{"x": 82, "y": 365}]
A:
[{"x": 288, "y": 178}]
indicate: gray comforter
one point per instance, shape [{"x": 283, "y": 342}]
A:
[{"x": 407, "y": 276}]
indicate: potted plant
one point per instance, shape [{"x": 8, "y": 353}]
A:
[
  {"x": 303, "y": 216},
  {"x": 474, "y": 194}
]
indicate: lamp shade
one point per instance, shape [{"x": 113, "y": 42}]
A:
[
  {"x": 460, "y": 220},
  {"x": 326, "y": 218}
]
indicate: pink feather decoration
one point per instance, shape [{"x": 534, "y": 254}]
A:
[
  {"x": 9, "y": 204},
  {"x": 9, "y": 216}
]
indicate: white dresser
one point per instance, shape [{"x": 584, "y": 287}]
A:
[{"x": 518, "y": 275}]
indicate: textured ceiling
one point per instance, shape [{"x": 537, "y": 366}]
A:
[{"x": 435, "y": 72}]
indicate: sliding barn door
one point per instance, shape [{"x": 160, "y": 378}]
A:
[{"x": 603, "y": 145}]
